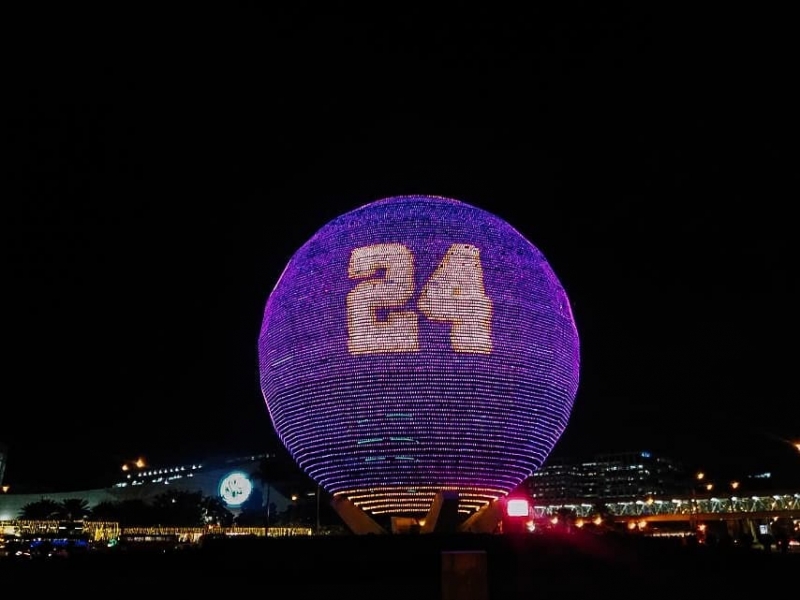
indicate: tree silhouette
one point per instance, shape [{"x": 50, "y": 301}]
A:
[
  {"x": 107, "y": 511},
  {"x": 74, "y": 509},
  {"x": 128, "y": 513},
  {"x": 269, "y": 472},
  {"x": 215, "y": 512},
  {"x": 134, "y": 512},
  {"x": 179, "y": 508},
  {"x": 41, "y": 510},
  {"x": 253, "y": 513},
  {"x": 278, "y": 471}
]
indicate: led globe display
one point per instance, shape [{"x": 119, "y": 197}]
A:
[
  {"x": 418, "y": 344},
  {"x": 235, "y": 488}
]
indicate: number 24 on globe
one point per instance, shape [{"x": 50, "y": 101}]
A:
[{"x": 379, "y": 319}]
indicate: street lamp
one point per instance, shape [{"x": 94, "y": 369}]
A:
[
  {"x": 293, "y": 515},
  {"x": 699, "y": 476},
  {"x": 707, "y": 486}
]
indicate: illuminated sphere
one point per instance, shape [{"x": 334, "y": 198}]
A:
[
  {"x": 418, "y": 344},
  {"x": 235, "y": 488}
]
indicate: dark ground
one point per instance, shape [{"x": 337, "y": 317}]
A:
[{"x": 565, "y": 567}]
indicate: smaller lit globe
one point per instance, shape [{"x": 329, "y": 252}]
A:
[{"x": 235, "y": 488}]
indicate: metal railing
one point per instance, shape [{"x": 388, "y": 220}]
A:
[{"x": 779, "y": 504}]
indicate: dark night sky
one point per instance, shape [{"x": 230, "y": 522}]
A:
[{"x": 159, "y": 183}]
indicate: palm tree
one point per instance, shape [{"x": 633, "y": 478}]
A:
[
  {"x": 215, "y": 512},
  {"x": 279, "y": 471},
  {"x": 133, "y": 512},
  {"x": 107, "y": 511},
  {"x": 251, "y": 512},
  {"x": 269, "y": 471},
  {"x": 74, "y": 509},
  {"x": 41, "y": 510},
  {"x": 179, "y": 508}
]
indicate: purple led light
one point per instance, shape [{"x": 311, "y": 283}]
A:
[{"x": 418, "y": 344}]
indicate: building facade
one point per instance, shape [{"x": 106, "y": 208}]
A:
[
  {"x": 234, "y": 481},
  {"x": 608, "y": 477}
]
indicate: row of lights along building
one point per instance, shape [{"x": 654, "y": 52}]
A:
[
  {"x": 607, "y": 476},
  {"x": 603, "y": 477},
  {"x": 623, "y": 475}
]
